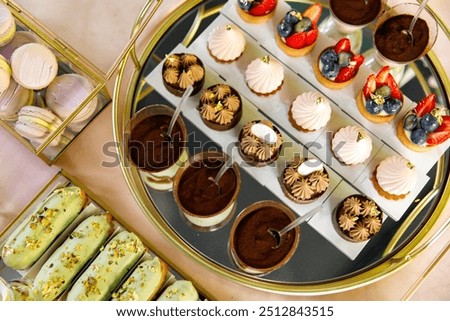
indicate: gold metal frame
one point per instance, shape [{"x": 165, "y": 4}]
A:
[
  {"x": 73, "y": 58},
  {"x": 122, "y": 108}
]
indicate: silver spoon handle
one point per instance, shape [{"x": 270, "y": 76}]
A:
[
  {"x": 299, "y": 220},
  {"x": 416, "y": 16},
  {"x": 223, "y": 169},
  {"x": 185, "y": 96}
]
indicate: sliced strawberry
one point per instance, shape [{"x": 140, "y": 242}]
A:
[
  {"x": 297, "y": 40},
  {"x": 370, "y": 86},
  {"x": 345, "y": 73},
  {"x": 262, "y": 8},
  {"x": 359, "y": 59},
  {"x": 426, "y": 105},
  {"x": 313, "y": 12},
  {"x": 343, "y": 45},
  {"x": 311, "y": 36},
  {"x": 445, "y": 126},
  {"x": 395, "y": 89},
  {"x": 382, "y": 76},
  {"x": 437, "y": 138}
]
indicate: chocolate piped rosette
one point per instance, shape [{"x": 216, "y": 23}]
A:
[{"x": 424, "y": 126}]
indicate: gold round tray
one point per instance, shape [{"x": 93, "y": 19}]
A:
[{"x": 319, "y": 268}]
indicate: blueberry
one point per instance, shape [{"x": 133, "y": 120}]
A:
[
  {"x": 429, "y": 123},
  {"x": 291, "y": 17},
  {"x": 384, "y": 91},
  {"x": 391, "y": 106},
  {"x": 418, "y": 136},
  {"x": 303, "y": 25},
  {"x": 372, "y": 107},
  {"x": 344, "y": 58},
  {"x": 328, "y": 55},
  {"x": 245, "y": 4},
  {"x": 410, "y": 122},
  {"x": 284, "y": 29},
  {"x": 330, "y": 70}
]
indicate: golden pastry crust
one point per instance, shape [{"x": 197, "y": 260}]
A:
[
  {"x": 292, "y": 51},
  {"x": 254, "y": 19}
]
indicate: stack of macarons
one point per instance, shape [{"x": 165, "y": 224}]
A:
[{"x": 27, "y": 67}]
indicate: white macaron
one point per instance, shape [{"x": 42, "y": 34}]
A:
[
  {"x": 5, "y": 74},
  {"x": 7, "y": 25},
  {"x": 36, "y": 124},
  {"x": 14, "y": 98},
  {"x": 66, "y": 93},
  {"x": 34, "y": 66}
]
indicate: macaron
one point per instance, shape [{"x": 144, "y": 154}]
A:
[
  {"x": 66, "y": 93},
  {"x": 5, "y": 74},
  {"x": 34, "y": 66},
  {"x": 14, "y": 98},
  {"x": 36, "y": 124},
  {"x": 7, "y": 25},
  {"x": 21, "y": 38}
]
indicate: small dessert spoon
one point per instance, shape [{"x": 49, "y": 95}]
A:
[
  {"x": 228, "y": 164},
  {"x": 299, "y": 220},
  {"x": 414, "y": 20},
  {"x": 186, "y": 94}
]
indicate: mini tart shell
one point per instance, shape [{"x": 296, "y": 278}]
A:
[
  {"x": 223, "y": 61},
  {"x": 405, "y": 140},
  {"x": 335, "y": 218},
  {"x": 254, "y": 19},
  {"x": 288, "y": 194},
  {"x": 236, "y": 118},
  {"x": 373, "y": 118},
  {"x": 381, "y": 191},
  {"x": 292, "y": 51},
  {"x": 176, "y": 90},
  {"x": 326, "y": 82},
  {"x": 267, "y": 94}
]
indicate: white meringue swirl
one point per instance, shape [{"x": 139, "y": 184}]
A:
[
  {"x": 226, "y": 43},
  {"x": 396, "y": 175},
  {"x": 311, "y": 110},
  {"x": 264, "y": 75},
  {"x": 351, "y": 145}
]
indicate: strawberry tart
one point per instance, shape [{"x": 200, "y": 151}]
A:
[
  {"x": 256, "y": 11},
  {"x": 337, "y": 66},
  {"x": 425, "y": 126},
  {"x": 381, "y": 98},
  {"x": 297, "y": 32}
]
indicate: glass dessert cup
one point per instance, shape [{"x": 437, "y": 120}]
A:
[
  {"x": 386, "y": 54},
  {"x": 6, "y": 293},
  {"x": 204, "y": 205},
  {"x": 156, "y": 157},
  {"x": 341, "y": 23},
  {"x": 251, "y": 246}
]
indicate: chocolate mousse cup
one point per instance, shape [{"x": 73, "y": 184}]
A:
[
  {"x": 352, "y": 15},
  {"x": 204, "y": 205},
  {"x": 393, "y": 46},
  {"x": 156, "y": 156},
  {"x": 252, "y": 248}
]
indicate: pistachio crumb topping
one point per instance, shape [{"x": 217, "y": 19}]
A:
[{"x": 378, "y": 99}]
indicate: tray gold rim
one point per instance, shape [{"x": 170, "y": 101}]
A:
[{"x": 381, "y": 270}]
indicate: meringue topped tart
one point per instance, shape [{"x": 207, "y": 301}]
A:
[
  {"x": 310, "y": 111},
  {"x": 264, "y": 75},
  {"x": 395, "y": 177},
  {"x": 226, "y": 43},
  {"x": 351, "y": 145}
]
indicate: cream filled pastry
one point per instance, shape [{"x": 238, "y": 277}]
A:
[
  {"x": 226, "y": 43},
  {"x": 351, "y": 145},
  {"x": 5, "y": 74},
  {"x": 264, "y": 75},
  {"x": 395, "y": 176},
  {"x": 34, "y": 66},
  {"x": 304, "y": 181},
  {"x": 260, "y": 142},
  {"x": 310, "y": 111},
  {"x": 65, "y": 93},
  {"x": 14, "y": 98},
  {"x": 220, "y": 107},
  {"x": 7, "y": 25}
]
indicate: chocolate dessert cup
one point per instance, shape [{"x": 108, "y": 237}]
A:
[
  {"x": 156, "y": 156},
  {"x": 251, "y": 246},
  {"x": 203, "y": 204},
  {"x": 351, "y": 15}
]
